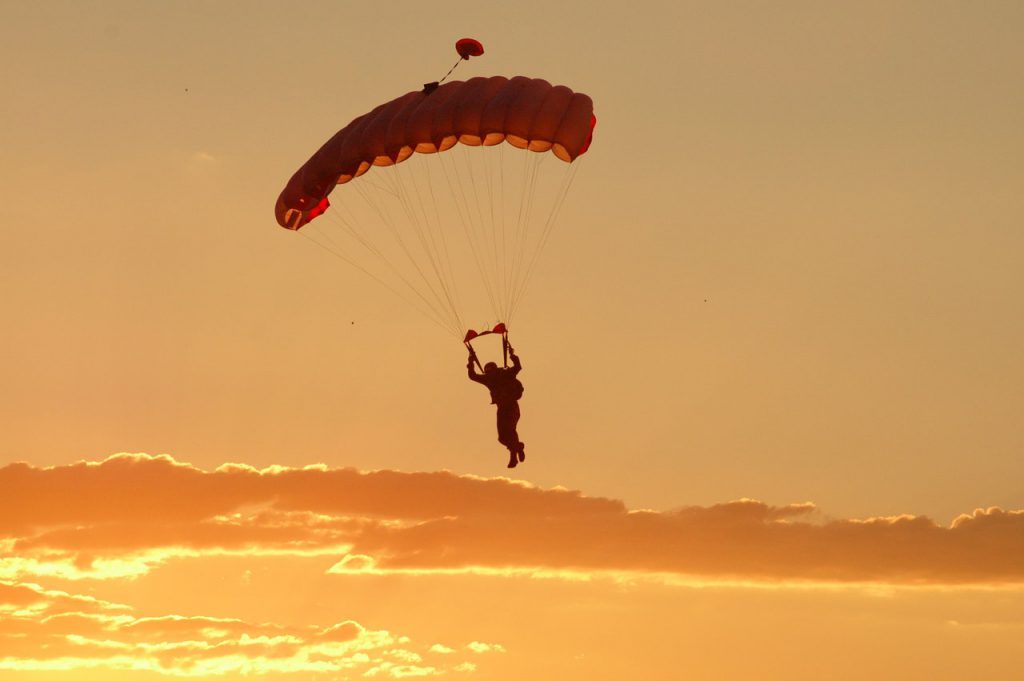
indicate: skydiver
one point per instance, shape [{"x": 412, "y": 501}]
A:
[{"x": 505, "y": 391}]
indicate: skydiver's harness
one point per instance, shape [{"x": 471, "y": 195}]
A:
[{"x": 471, "y": 335}]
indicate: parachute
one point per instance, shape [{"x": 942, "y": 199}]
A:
[
  {"x": 415, "y": 230},
  {"x": 468, "y": 47}
]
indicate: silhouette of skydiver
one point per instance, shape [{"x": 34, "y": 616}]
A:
[{"x": 505, "y": 391}]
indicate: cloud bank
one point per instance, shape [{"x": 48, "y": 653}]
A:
[
  {"x": 130, "y": 513},
  {"x": 50, "y": 630}
]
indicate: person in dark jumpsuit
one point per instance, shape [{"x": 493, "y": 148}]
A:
[{"x": 505, "y": 391}]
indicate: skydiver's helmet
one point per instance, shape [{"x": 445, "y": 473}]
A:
[{"x": 490, "y": 368}]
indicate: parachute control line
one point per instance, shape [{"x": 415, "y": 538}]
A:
[{"x": 472, "y": 335}]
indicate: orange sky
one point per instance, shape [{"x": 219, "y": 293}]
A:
[{"x": 773, "y": 343}]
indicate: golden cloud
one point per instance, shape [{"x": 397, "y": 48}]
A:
[
  {"x": 50, "y": 630},
  {"x": 123, "y": 516}
]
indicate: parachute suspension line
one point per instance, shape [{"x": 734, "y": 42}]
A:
[
  {"x": 530, "y": 213},
  {"x": 424, "y": 236},
  {"x": 525, "y": 230},
  {"x": 489, "y": 227},
  {"x": 485, "y": 228},
  {"x": 500, "y": 235},
  {"x": 427, "y": 243},
  {"x": 499, "y": 228},
  {"x": 501, "y": 211},
  {"x": 436, "y": 232},
  {"x": 495, "y": 229},
  {"x": 380, "y": 188},
  {"x": 350, "y": 226},
  {"x": 488, "y": 288},
  {"x": 436, "y": 282},
  {"x": 517, "y": 231},
  {"x": 427, "y": 287},
  {"x": 480, "y": 224},
  {"x": 440, "y": 300},
  {"x": 497, "y": 234},
  {"x": 365, "y": 271},
  {"x": 492, "y": 225},
  {"x": 549, "y": 226},
  {"x": 339, "y": 218},
  {"x": 443, "y": 239},
  {"x": 470, "y": 223},
  {"x": 438, "y": 304},
  {"x": 476, "y": 217},
  {"x": 477, "y": 222}
]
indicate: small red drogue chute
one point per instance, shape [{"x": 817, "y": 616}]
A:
[{"x": 469, "y": 47}]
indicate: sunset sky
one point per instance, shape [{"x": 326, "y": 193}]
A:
[{"x": 771, "y": 353}]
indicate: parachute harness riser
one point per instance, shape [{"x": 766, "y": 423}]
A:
[{"x": 472, "y": 355}]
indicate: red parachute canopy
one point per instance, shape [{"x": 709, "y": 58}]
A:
[
  {"x": 468, "y": 47},
  {"x": 528, "y": 113}
]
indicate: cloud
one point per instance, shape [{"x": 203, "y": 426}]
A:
[
  {"x": 125, "y": 516},
  {"x": 51, "y": 630},
  {"x": 479, "y": 647},
  {"x": 26, "y": 599}
]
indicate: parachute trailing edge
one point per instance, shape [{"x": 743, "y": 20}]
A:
[{"x": 527, "y": 113}]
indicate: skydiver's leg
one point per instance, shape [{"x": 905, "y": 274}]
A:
[
  {"x": 507, "y": 426},
  {"x": 508, "y": 415},
  {"x": 520, "y": 448}
]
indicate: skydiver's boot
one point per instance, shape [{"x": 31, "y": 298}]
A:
[
  {"x": 513, "y": 460},
  {"x": 522, "y": 452}
]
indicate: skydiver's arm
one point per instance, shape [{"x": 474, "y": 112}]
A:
[{"x": 517, "y": 366}]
